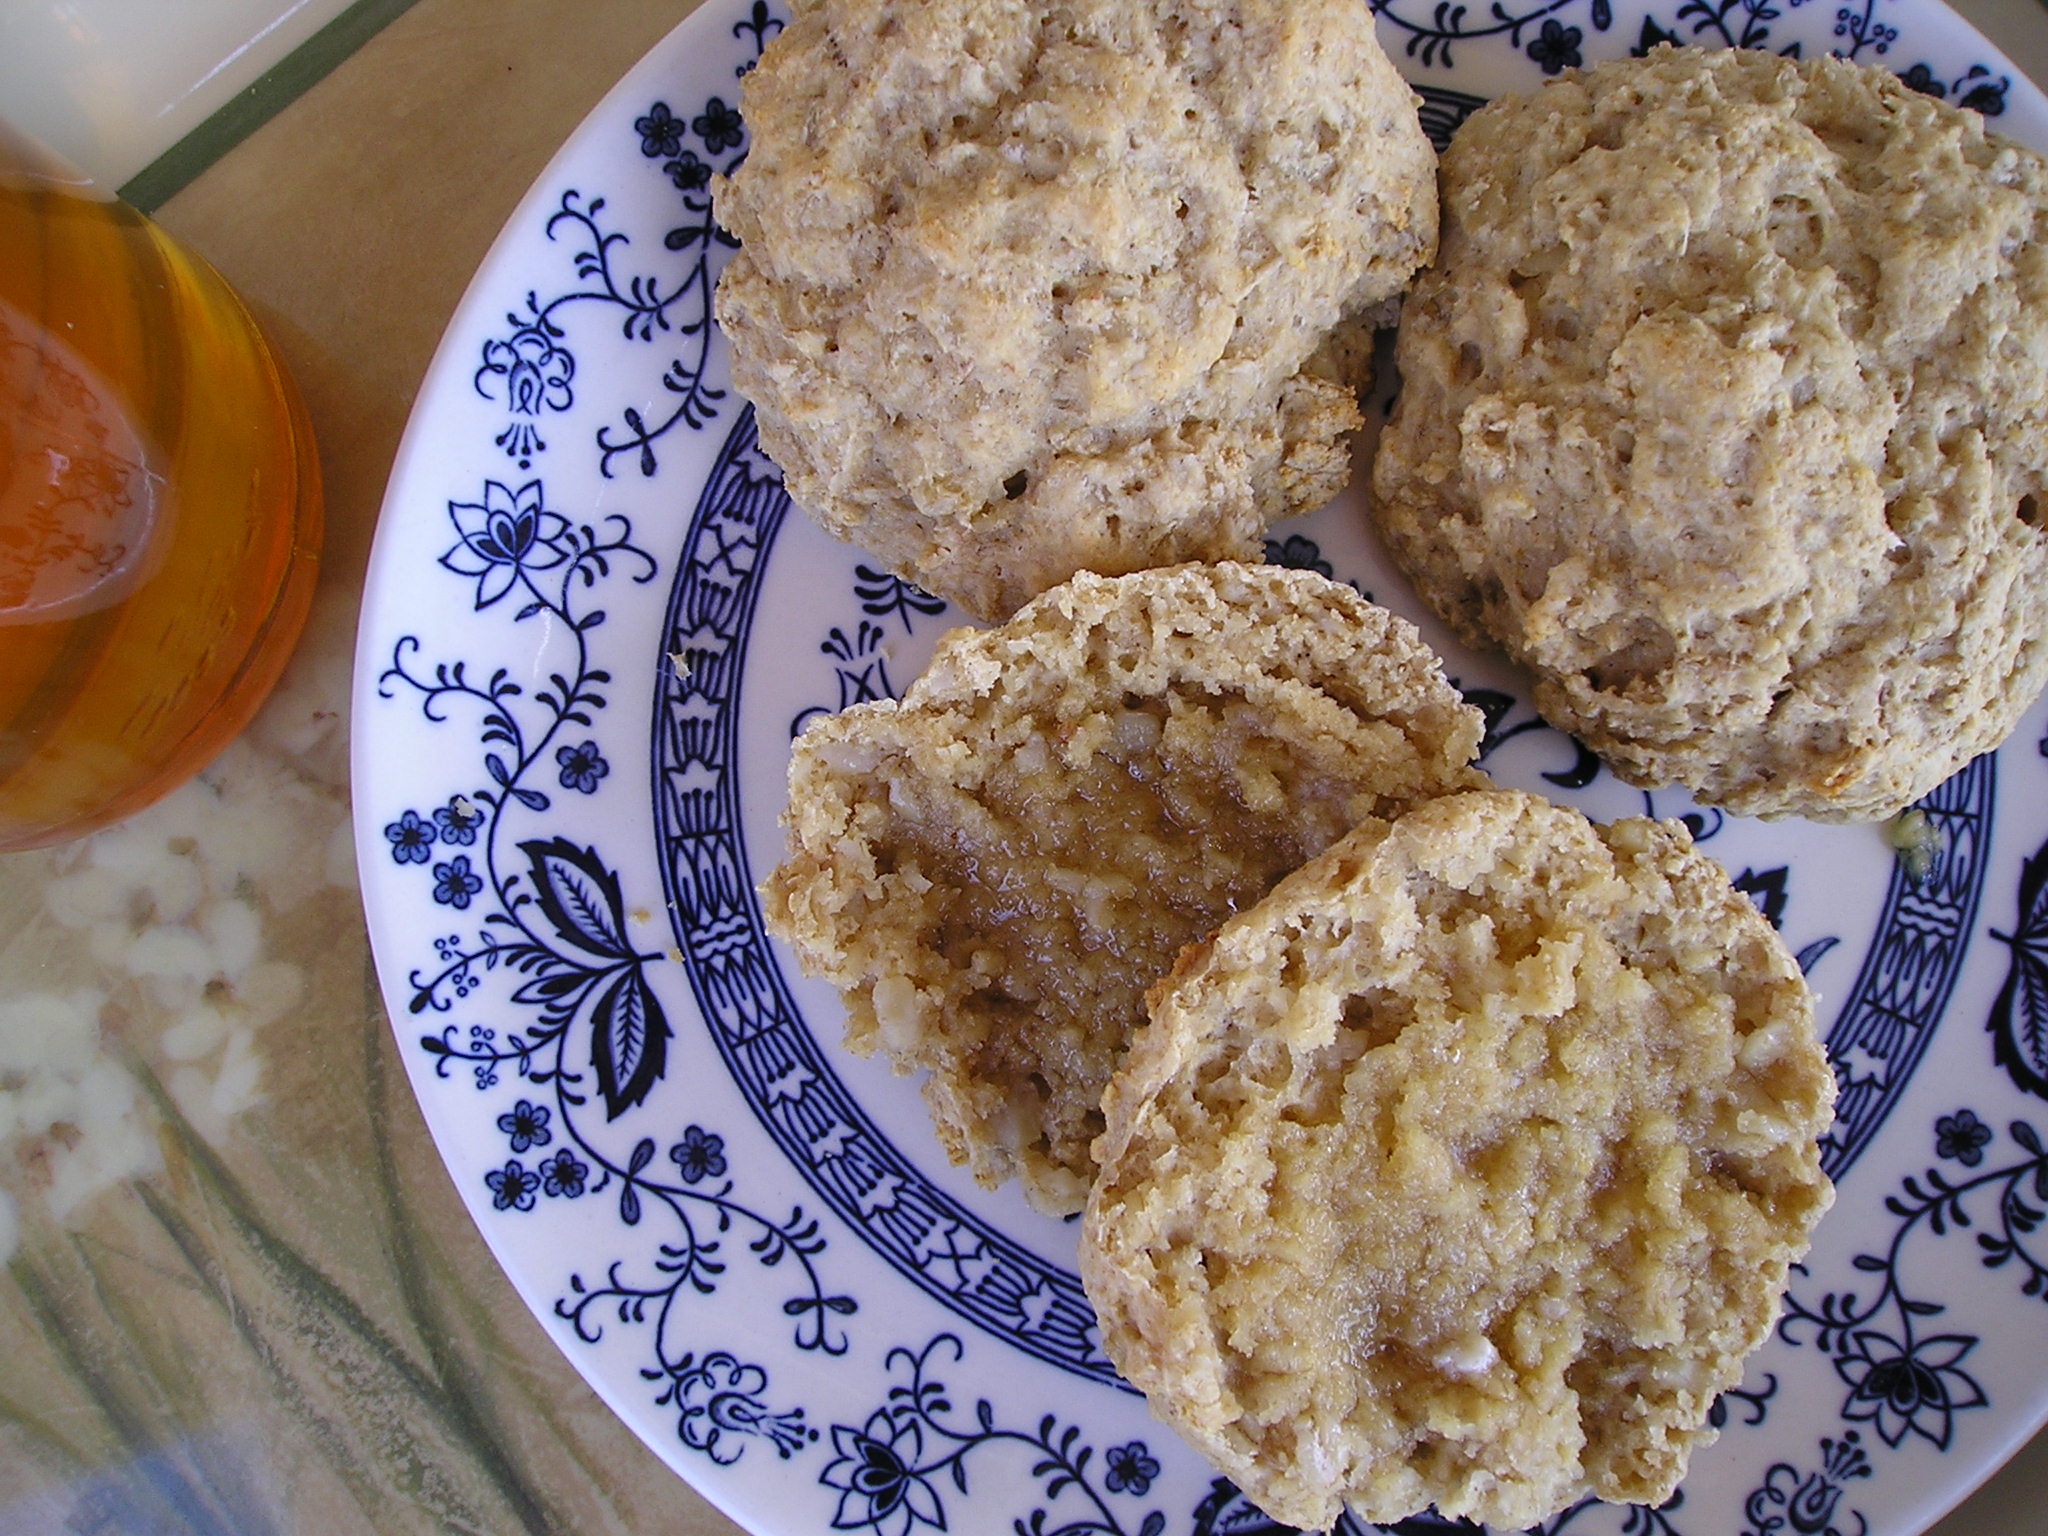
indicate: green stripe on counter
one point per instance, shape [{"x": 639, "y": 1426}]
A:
[{"x": 278, "y": 87}]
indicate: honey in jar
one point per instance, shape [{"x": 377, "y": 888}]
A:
[{"x": 159, "y": 508}]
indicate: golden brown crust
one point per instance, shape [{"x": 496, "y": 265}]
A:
[
  {"x": 1464, "y": 1170},
  {"x": 1725, "y": 410},
  {"x": 993, "y": 869},
  {"x": 1029, "y": 289}
]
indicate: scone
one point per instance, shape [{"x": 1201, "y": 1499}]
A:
[
  {"x": 1032, "y": 288},
  {"x": 1725, "y": 410},
  {"x": 993, "y": 870},
  {"x": 1464, "y": 1170}
]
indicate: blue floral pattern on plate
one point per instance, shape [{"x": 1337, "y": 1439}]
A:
[{"x": 593, "y": 624}]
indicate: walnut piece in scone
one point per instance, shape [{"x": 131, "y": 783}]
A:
[
  {"x": 994, "y": 869},
  {"x": 1725, "y": 410},
  {"x": 1032, "y": 288},
  {"x": 1463, "y": 1170}
]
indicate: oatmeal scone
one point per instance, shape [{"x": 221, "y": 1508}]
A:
[
  {"x": 1725, "y": 410},
  {"x": 994, "y": 869},
  {"x": 1464, "y": 1170},
  {"x": 1032, "y": 288}
]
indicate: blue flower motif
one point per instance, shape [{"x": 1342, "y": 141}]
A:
[
  {"x": 527, "y": 1124},
  {"x": 1979, "y": 91},
  {"x": 719, "y": 126},
  {"x": 661, "y": 131},
  {"x": 1808, "y": 1503},
  {"x": 512, "y": 1187},
  {"x": 505, "y": 536},
  {"x": 1917, "y": 1390},
  {"x": 564, "y": 1174},
  {"x": 410, "y": 838},
  {"x": 582, "y": 767},
  {"x": 1298, "y": 553},
  {"x": 1556, "y": 48},
  {"x": 1925, "y": 81},
  {"x": 458, "y": 820},
  {"x": 1987, "y": 97},
  {"x": 699, "y": 1155},
  {"x": 1961, "y": 1136},
  {"x": 454, "y": 884},
  {"x": 688, "y": 172},
  {"x": 537, "y": 372},
  {"x": 721, "y": 1407},
  {"x": 876, "y": 1473},
  {"x": 1131, "y": 1468}
]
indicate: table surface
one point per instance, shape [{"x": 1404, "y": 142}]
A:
[{"x": 240, "y": 1294}]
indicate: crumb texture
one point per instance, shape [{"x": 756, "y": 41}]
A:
[
  {"x": 1464, "y": 1170},
  {"x": 995, "y": 868},
  {"x": 1725, "y": 410},
  {"x": 1030, "y": 289}
]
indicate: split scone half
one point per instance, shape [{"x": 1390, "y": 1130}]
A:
[
  {"x": 993, "y": 869},
  {"x": 1464, "y": 1170}
]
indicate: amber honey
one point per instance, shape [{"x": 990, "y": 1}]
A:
[{"x": 159, "y": 511}]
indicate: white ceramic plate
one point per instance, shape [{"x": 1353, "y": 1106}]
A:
[{"x": 593, "y": 622}]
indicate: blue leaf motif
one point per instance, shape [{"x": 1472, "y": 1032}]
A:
[
  {"x": 1767, "y": 889},
  {"x": 630, "y": 1042},
  {"x": 555, "y": 991},
  {"x": 1652, "y": 36},
  {"x": 2019, "y": 1018},
  {"x": 579, "y": 896},
  {"x": 1810, "y": 955}
]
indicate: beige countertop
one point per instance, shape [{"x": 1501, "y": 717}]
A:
[{"x": 240, "y": 1294}]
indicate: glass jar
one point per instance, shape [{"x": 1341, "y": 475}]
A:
[{"x": 160, "y": 507}]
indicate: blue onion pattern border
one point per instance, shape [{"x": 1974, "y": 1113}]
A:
[{"x": 940, "y": 1246}]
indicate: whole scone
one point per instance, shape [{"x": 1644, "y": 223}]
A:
[
  {"x": 994, "y": 869},
  {"x": 1032, "y": 288},
  {"x": 1725, "y": 410},
  {"x": 1463, "y": 1170}
]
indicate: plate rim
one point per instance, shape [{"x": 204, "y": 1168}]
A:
[{"x": 447, "y": 372}]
